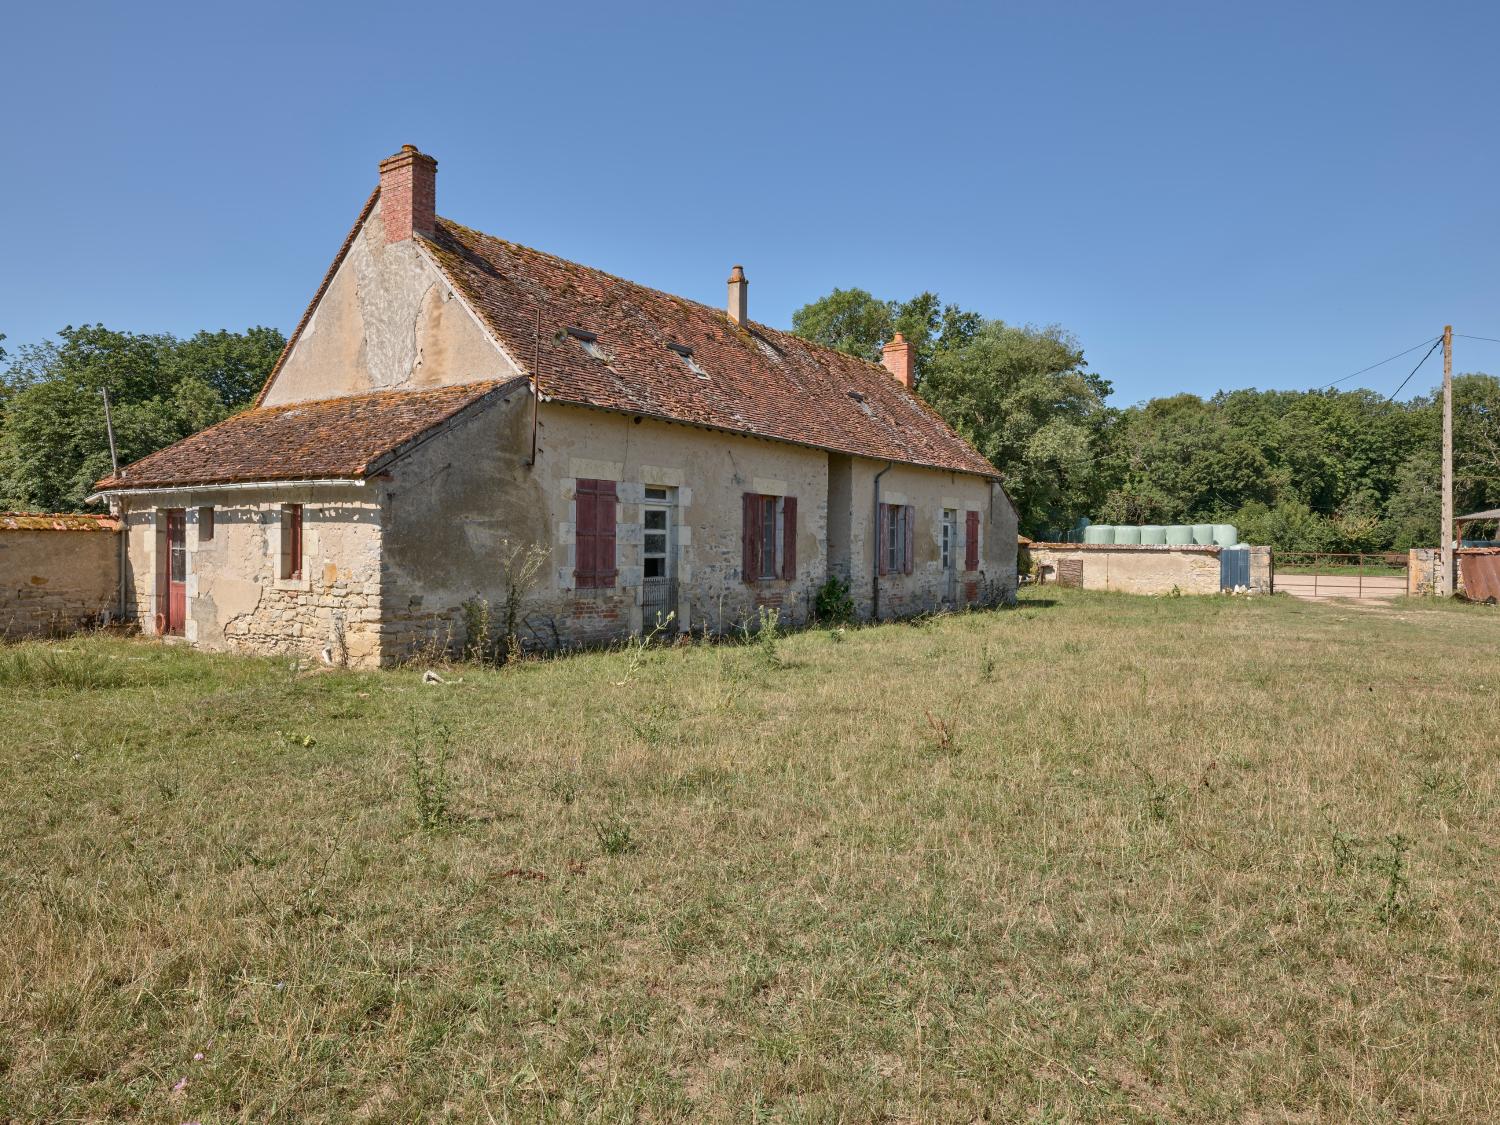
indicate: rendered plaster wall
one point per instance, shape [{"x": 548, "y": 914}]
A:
[
  {"x": 236, "y": 599},
  {"x": 54, "y": 582},
  {"x": 1133, "y": 570},
  {"x": 929, "y": 587},
  {"x": 453, "y": 512},
  {"x": 458, "y": 507},
  {"x": 708, "y": 474},
  {"x": 388, "y": 321}
]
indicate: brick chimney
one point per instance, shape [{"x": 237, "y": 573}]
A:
[
  {"x": 896, "y": 356},
  {"x": 408, "y": 194},
  {"x": 739, "y": 301}
]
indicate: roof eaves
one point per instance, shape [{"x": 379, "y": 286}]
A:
[{"x": 759, "y": 436}]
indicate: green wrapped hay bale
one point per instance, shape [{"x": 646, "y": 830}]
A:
[
  {"x": 1179, "y": 535},
  {"x": 1099, "y": 533},
  {"x": 1127, "y": 536},
  {"x": 1203, "y": 534},
  {"x": 1226, "y": 535},
  {"x": 1153, "y": 534}
]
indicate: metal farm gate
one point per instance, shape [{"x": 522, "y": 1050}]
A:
[
  {"x": 1234, "y": 568},
  {"x": 1324, "y": 575}
]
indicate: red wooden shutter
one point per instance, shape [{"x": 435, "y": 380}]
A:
[
  {"x": 585, "y": 535},
  {"x": 789, "y": 538},
  {"x": 604, "y": 543},
  {"x": 971, "y": 541},
  {"x": 295, "y": 521},
  {"x": 882, "y": 539},
  {"x": 750, "y": 539},
  {"x": 906, "y": 557},
  {"x": 594, "y": 534}
]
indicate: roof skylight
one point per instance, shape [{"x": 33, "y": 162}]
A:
[
  {"x": 588, "y": 342},
  {"x": 685, "y": 353}
]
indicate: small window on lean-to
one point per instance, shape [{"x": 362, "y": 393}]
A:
[
  {"x": 206, "y": 524},
  {"x": 291, "y": 541}
]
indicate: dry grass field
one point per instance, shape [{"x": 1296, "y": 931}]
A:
[{"x": 1097, "y": 858}]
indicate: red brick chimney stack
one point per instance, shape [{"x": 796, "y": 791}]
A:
[
  {"x": 408, "y": 194},
  {"x": 896, "y": 356}
]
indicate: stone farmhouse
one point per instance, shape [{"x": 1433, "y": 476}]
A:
[{"x": 450, "y": 398}]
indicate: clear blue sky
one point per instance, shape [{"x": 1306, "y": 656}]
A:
[{"x": 1209, "y": 195}]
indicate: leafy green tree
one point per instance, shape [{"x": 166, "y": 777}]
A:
[
  {"x": 1024, "y": 398},
  {"x": 1476, "y": 442},
  {"x": 54, "y": 444},
  {"x": 856, "y": 322},
  {"x": 853, "y": 321}
]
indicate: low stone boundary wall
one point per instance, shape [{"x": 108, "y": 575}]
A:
[
  {"x": 1423, "y": 565},
  {"x": 58, "y": 574},
  {"x": 1140, "y": 569}
]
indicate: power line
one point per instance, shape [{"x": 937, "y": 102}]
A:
[
  {"x": 1489, "y": 339},
  {"x": 1382, "y": 363},
  {"x": 1414, "y": 370}
]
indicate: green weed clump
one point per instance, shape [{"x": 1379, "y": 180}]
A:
[
  {"x": 36, "y": 666},
  {"x": 428, "y": 752}
]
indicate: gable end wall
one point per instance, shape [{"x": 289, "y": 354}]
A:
[{"x": 388, "y": 321}]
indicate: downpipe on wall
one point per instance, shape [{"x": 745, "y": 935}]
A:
[{"x": 875, "y": 554}]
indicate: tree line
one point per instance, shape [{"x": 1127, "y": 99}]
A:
[
  {"x": 53, "y": 444},
  {"x": 1321, "y": 470},
  {"x": 1299, "y": 470}
]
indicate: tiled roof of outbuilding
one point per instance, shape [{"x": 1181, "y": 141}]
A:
[
  {"x": 59, "y": 521},
  {"x": 330, "y": 439},
  {"x": 755, "y": 380}
]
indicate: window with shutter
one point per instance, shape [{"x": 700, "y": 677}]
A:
[
  {"x": 768, "y": 538},
  {"x": 770, "y": 528},
  {"x": 594, "y": 535},
  {"x": 971, "y": 541},
  {"x": 896, "y": 523}
]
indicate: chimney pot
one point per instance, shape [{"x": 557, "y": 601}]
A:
[
  {"x": 896, "y": 357},
  {"x": 408, "y": 194},
  {"x": 738, "y": 296}
]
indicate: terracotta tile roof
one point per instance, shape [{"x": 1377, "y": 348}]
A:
[
  {"x": 756, "y": 380},
  {"x": 332, "y": 439},
  {"x": 63, "y": 521}
]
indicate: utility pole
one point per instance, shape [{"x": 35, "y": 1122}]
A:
[
  {"x": 1445, "y": 583},
  {"x": 109, "y": 428}
]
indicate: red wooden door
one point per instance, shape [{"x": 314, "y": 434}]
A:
[{"x": 176, "y": 570}]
